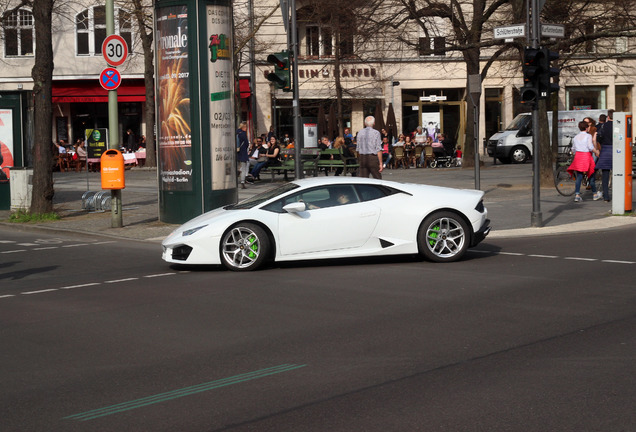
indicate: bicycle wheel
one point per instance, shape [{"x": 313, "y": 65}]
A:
[{"x": 564, "y": 181}]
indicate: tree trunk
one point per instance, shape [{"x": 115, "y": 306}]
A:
[
  {"x": 145, "y": 33},
  {"x": 336, "y": 72},
  {"x": 42, "y": 73},
  {"x": 472, "y": 68},
  {"x": 149, "y": 112}
]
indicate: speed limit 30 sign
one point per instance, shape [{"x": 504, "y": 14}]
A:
[{"x": 115, "y": 50}]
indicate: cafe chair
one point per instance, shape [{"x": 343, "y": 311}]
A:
[
  {"x": 399, "y": 158},
  {"x": 429, "y": 155}
]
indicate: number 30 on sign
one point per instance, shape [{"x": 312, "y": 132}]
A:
[{"x": 115, "y": 50}]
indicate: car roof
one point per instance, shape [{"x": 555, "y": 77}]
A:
[{"x": 336, "y": 180}]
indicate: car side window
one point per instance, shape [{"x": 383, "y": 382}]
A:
[
  {"x": 318, "y": 198},
  {"x": 373, "y": 192}
]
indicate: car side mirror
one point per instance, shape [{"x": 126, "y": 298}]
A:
[{"x": 295, "y": 207}]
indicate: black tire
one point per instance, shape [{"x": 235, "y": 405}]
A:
[
  {"x": 563, "y": 181},
  {"x": 433, "y": 164},
  {"x": 443, "y": 237},
  {"x": 447, "y": 164},
  {"x": 519, "y": 155},
  {"x": 244, "y": 247}
]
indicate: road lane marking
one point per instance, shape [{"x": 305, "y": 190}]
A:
[
  {"x": 618, "y": 262},
  {"x": 39, "y": 292},
  {"x": 46, "y": 248},
  {"x": 7, "y": 241},
  {"x": 121, "y": 280},
  {"x": 510, "y": 253},
  {"x": 580, "y": 259},
  {"x": 7, "y": 296},
  {"x": 159, "y": 275},
  {"x": 186, "y": 391},
  {"x": 27, "y": 244},
  {"x": 104, "y": 242},
  {"x": 75, "y": 245},
  {"x": 81, "y": 285},
  {"x": 13, "y": 251},
  {"x": 543, "y": 256}
]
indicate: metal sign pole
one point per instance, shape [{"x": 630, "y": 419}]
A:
[
  {"x": 116, "y": 218},
  {"x": 536, "y": 218},
  {"x": 298, "y": 137}
]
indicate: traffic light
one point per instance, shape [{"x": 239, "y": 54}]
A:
[
  {"x": 281, "y": 76},
  {"x": 531, "y": 71},
  {"x": 546, "y": 73}
]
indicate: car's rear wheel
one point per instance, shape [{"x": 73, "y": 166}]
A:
[
  {"x": 443, "y": 237},
  {"x": 244, "y": 247}
]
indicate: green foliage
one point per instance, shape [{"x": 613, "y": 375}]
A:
[{"x": 22, "y": 216}]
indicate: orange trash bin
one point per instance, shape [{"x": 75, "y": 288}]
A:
[{"x": 112, "y": 162}]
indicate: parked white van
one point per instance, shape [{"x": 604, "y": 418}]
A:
[{"x": 514, "y": 144}]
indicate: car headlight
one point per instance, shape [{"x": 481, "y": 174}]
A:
[
  {"x": 500, "y": 142},
  {"x": 192, "y": 230}
]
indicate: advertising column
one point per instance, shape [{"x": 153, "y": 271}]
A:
[
  {"x": 221, "y": 102},
  {"x": 195, "y": 107}
]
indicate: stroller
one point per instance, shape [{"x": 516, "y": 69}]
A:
[{"x": 445, "y": 159}]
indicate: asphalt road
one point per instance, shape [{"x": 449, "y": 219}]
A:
[{"x": 527, "y": 334}]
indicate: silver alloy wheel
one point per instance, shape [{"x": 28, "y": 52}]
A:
[
  {"x": 241, "y": 248},
  {"x": 445, "y": 238}
]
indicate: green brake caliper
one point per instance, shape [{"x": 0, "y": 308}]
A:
[
  {"x": 253, "y": 247},
  {"x": 433, "y": 235}
]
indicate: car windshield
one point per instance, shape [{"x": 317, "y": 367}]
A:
[
  {"x": 519, "y": 122},
  {"x": 262, "y": 197}
]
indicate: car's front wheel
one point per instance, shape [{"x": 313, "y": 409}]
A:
[
  {"x": 443, "y": 237},
  {"x": 244, "y": 247}
]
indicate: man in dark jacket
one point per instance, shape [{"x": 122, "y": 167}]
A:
[{"x": 242, "y": 144}]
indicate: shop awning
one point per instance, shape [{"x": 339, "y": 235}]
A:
[
  {"x": 131, "y": 90},
  {"x": 244, "y": 88}
]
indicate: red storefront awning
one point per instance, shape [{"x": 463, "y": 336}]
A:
[
  {"x": 131, "y": 90},
  {"x": 244, "y": 88}
]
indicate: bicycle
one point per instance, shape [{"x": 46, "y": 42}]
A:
[{"x": 565, "y": 182}]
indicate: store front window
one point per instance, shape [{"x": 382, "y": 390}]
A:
[
  {"x": 436, "y": 110},
  {"x": 585, "y": 98}
]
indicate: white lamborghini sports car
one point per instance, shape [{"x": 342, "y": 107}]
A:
[{"x": 333, "y": 217}]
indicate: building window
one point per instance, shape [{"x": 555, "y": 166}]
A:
[
  {"x": 585, "y": 98},
  {"x": 18, "y": 33},
  {"x": 432, "y": 46},
  {"x": 321, "y": 42},
  {"x": 90, "y": 29}
]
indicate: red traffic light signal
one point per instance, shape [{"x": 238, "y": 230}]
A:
[{"x": 281, "y": 76}]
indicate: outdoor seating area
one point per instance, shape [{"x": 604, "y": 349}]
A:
[{"x": 69, "y": 162}]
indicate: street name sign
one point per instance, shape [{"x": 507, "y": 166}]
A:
[
  {"x": 509, "y": 32},
  {"x": 553, "y": 30}
]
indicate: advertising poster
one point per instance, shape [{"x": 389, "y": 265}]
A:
[
  {"x": 310, "y": 134},
  {"x": 96, "y": 142},
  {"x": 6, "y": 143},
  {"x": 431, "y": 124},
  {"x": 221, "y": 86},
  {"x": 173, "y": 95}
]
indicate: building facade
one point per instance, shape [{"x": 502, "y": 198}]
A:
[
  {"x": 79, "y": 101},
  {"x": 425, "y": 83}
]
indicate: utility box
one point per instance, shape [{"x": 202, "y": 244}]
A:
[
  {"x": 622, "y": 163},
  {"x": 21, "y": 188},
  {"x": 112, "y": 163}
]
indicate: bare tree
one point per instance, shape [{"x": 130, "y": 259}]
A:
[
  {"x": 42, "y": 74},
  {"x": 143, "y": 13}
]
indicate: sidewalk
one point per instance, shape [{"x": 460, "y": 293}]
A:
[{"x": 508, "y": 200}]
